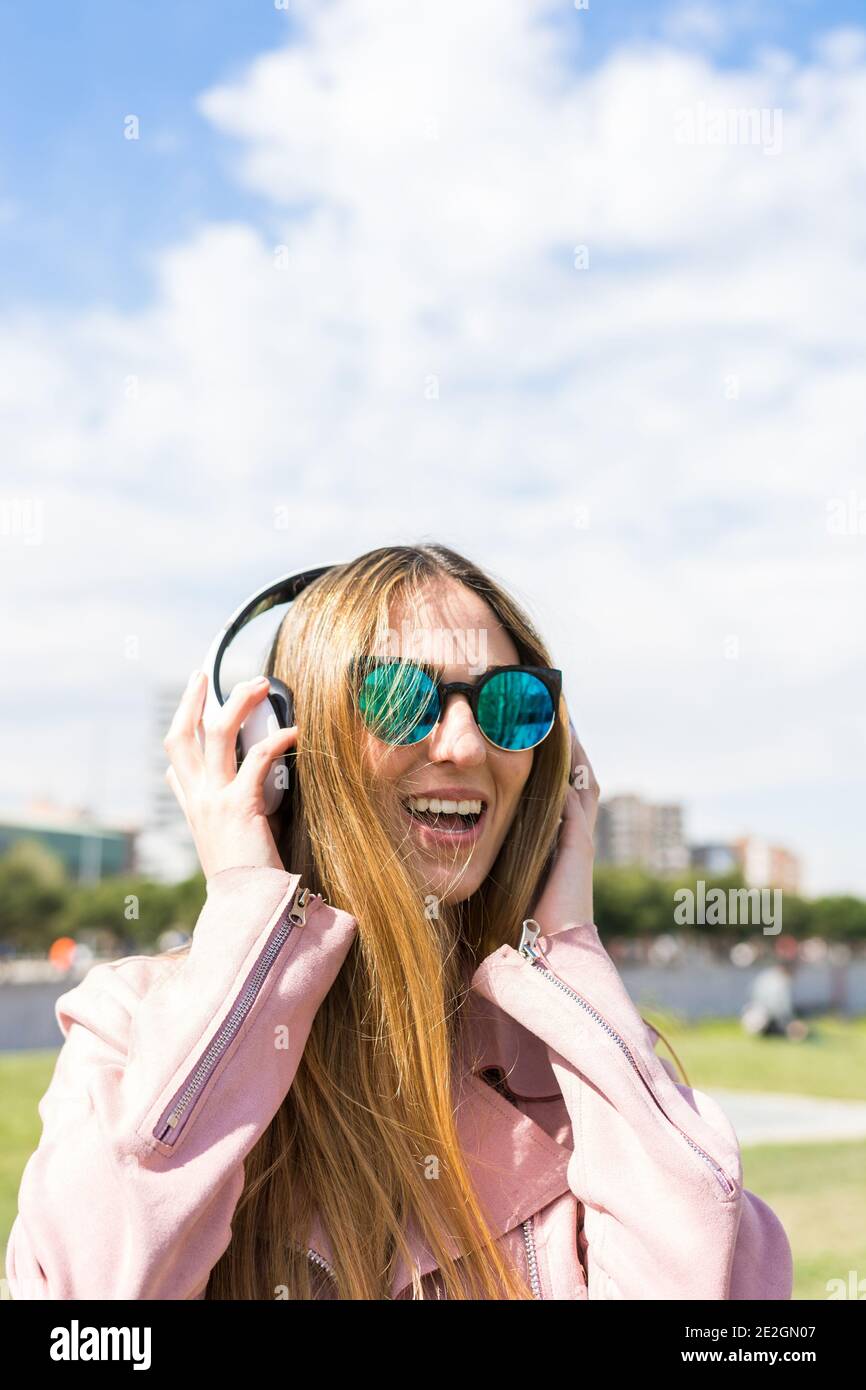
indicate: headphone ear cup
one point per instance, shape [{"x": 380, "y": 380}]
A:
[
  {"x": 283, "y": 702},
  {"x": 275, "y": 712}
]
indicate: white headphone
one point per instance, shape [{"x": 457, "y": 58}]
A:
[{"x": 276, "y": 711}]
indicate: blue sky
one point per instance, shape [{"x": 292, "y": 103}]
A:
[
  {"x": 334, "y": 280},
  {"x": 86, "y": 207},
  {"x": 92, "y": 204}
]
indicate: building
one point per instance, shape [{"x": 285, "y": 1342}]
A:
[
  {"x": 768, "y": 866},
  {"x": 630, "y": 830},
  {"x": 714, "y": 858},
  {"x": 762, "y": 865},
  {"x": 165, "y": 849},
  {"x": 88, "y": 850}
]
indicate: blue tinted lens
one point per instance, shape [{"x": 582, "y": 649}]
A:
[
  {"x": 398, "y": 702},
  {"x": 515, "y": 710}
]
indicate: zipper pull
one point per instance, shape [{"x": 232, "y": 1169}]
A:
[
  {"x": 528, "y": 947},
  {"x": 298, "y": 909}
]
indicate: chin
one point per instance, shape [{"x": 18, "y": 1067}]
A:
[{"x": 449, "y": 892}]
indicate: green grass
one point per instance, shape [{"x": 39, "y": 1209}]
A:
[
  {"x": 24, "y": 1078},
  {"x": 831, "y": 1063},
  {"x": 818, "y": 1193},
  {"x": 817, "y": 1190}
]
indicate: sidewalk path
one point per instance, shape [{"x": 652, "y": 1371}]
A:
[{"x": 768, "y": 1117}]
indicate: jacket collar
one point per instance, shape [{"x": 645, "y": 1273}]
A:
[{"x": 516, "y": 1166}]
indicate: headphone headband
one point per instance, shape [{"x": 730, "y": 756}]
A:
[
  {"x": 283, "y": 590},
  {"x": 276, "y": 711}
]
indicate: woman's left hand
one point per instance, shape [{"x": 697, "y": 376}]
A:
[{"x": 566, "y": 899}]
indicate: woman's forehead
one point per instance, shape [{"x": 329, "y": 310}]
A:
[{"x": 452, "y": 628}]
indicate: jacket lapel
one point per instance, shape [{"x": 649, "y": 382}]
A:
[
  {"x": 658, "y": 1171},
  {"x": 516, "y": 1164}
]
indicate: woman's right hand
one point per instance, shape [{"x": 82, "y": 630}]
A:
[{"x": 224, "y": 807}]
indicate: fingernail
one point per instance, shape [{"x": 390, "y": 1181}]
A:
[
  {"x": 193, "y": 678},
  {"x": 261, "y": 680}
]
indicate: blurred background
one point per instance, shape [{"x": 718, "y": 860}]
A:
[{"x": 576, "y": 289}]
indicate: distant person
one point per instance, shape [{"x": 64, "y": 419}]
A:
[{"x": 770, "y": 1010}]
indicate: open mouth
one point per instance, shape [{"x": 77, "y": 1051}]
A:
[{"x": 445, "y": 817}]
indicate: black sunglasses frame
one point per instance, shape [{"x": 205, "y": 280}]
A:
[{"x": 550, "y": 677}]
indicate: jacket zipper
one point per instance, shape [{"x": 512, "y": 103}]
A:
[
  {"x": 532, "y": 952},
  {"x": 531, "y": 1256},
  {"x": 528, "y": 1243},
  {"x": 182, "y": 1103},
  {"x": 495, "y": 1077},
  {"x": 317, "y": 1259}
]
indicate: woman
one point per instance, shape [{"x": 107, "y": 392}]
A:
[{"x": 439, "y": 1088}]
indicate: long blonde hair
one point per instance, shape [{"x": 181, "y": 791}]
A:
[{"x": 372, "y": 1099}]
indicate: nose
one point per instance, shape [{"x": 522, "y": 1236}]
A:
[{"x": 457, "y": 738}]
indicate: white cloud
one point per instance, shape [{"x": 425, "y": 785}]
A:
[
  {"x": 427, "y": 175},
  {"x": 706, "y": 24}
]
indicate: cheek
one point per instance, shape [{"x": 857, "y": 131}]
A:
[
  {"x": 386, "y": 764},
  {"x": 511, "y": 779}
]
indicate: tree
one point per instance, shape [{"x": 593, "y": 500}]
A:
[{"x": 34, "y": 890}]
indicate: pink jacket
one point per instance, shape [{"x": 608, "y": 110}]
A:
[{"x": 600, "y": 1174}]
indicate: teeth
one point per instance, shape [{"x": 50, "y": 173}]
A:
[{"x": 447, "y": 808}]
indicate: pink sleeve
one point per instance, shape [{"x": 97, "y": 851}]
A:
[
  {"x": 170, "y": 1071},
  {"x": 656, "y": 1163},
  {"x": 762, "y": 1264}
]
